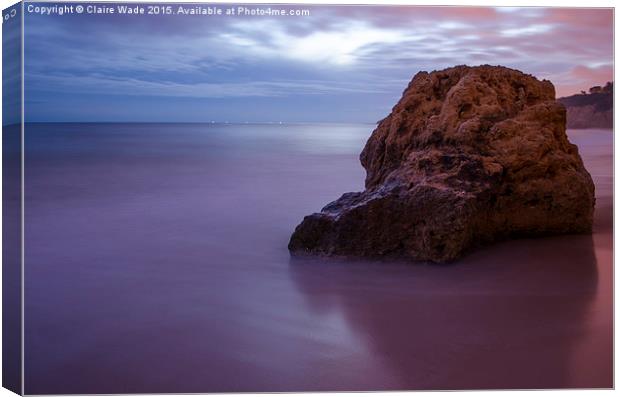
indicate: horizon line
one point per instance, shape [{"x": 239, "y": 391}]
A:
[{"x": 196, "y": 122}]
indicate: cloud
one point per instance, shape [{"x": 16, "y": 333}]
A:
[
  {"x": 105, "y": 85},
  {"x": 526, "y": 30},
  {"x": 337, "y": 50},
  {"x": 582, "y": 77},
  {"x": 340, "y": 45}
]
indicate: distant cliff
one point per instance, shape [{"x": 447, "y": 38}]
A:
[{"x": 590, "y": 110}]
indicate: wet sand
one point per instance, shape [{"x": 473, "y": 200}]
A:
[{"x": 156, "y": 261}]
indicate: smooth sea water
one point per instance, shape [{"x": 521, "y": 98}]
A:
[{"x": 156, "y": 262}]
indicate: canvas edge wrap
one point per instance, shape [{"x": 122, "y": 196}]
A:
[{"x": 12, "y": 198}]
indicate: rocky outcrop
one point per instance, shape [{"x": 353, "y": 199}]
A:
[{"x": 468, "y": 156}]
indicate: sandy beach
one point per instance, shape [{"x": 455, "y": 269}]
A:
[{"x": 157, "y": 261}]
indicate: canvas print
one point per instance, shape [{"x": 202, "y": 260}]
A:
[{"x": 223, "y": 197}]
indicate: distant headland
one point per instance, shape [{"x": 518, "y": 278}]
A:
[{"x": 592, "y": 109}]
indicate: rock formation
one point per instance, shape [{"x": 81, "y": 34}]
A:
[{"x": 468, "y": 156}]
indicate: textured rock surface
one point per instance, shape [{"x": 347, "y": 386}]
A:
[{"x": 468, "y": 156}]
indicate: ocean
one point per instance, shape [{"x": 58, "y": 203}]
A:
[{"x": 156, "y": 262}]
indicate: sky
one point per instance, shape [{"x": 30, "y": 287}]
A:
[{"x": 338, "y": 64}]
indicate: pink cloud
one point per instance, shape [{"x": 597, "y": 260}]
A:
[
  {"x": 581, "y": 77},
  {"x": 582, "y": 17},
  {"x": 601, "y": 73}
]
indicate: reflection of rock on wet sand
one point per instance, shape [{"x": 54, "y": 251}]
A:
[{"x": 506, "y": 317}]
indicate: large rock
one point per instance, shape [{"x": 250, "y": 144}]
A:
[{"x": 468, "y": 156}]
